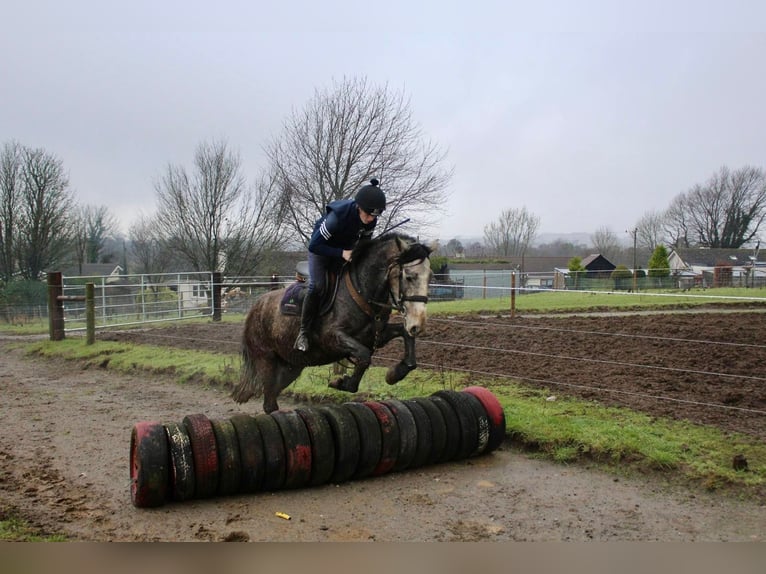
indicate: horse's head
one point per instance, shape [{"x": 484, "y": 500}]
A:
[{"x": 409, "y": 272}]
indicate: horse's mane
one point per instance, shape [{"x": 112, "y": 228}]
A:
[{"x": 414, "y": 251}]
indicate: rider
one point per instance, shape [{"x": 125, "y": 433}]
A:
[{"x": 344, "y": 223}]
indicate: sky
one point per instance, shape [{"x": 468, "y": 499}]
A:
[{"x": 588, "y": 113}]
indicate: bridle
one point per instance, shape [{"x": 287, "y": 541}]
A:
[{"x": 380, "y": 318}]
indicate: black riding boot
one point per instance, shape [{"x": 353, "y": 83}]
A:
[{"x": 310, "y": 308}]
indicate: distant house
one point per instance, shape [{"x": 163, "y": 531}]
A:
[
  {"x": 536, "y": 272},
  {"x": 706, "y": 267},
  {"x": 596, "y": 267}
]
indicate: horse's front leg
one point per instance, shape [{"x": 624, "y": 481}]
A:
[
  {"x": 409, "y": 362},
  {"x": 362, "y": 357}
]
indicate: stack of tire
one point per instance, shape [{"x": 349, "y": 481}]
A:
[{"x": 202, "y": 458}]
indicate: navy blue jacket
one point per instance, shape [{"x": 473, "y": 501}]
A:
[{"x": 338, "y": 229}]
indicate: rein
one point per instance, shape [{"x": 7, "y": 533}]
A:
[{"x": 384, "y": 309}]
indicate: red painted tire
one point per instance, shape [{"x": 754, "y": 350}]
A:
[
  {"x": 408, "y": 433},
  {"x": 297, "y": 448},
  {"x": 149, "y": 473},
  {"x": 181, "y": 462},
  {"x": 274, "y": 452},
  {"x": 495, "y": 414},
  {"x": 322, "y": 445},
  {"x": 229, "y": 461},
  {"x": 452, "y": 424},
  {"x": 424, "y": 433},
  {"x": 204, "y": 453},
  {"x": 370, "y": 440},
  {"x": 250, "y": 452},
  {"x": 345, "y": 434},
  {"x": 469, "y": 426},
  {"x": 438, "y": 429},
  {"x": 389, "y": 436}
]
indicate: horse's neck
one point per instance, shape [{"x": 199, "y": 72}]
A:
[{"x": 371, "y": 278}]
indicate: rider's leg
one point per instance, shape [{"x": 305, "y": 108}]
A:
[
  {"x": 308, "y": 314},
  {"x": 317, "y": 272}
]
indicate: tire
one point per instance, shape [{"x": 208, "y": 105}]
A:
[
  {"x": 204, "y": 453},
  {"x": 370, "y": 441},
  {"x": 452, "y": 423},
  {"x": 250, "y": 452},
  {"x": 149, "y": 473},
  {"x": 482, "y": 420},
  {"x": 181, "y": 462},
  {"x": 322, "y": 445},
  {"x": 229, "y": 461},
  {"x": 274, "y": 452},
  {"x": 469, "y": 427},
  {"x": 389, "y": 437},
  {"x": 297, "y": 448},
  {"x": 438, "y": 429},
  {"x": 408, "y": 433},
  {"x": 495, "y": 414},
  {"x": 347, "y": 442},
  {"x": 424, "y": 438}
]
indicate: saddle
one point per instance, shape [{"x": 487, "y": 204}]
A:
[{"x": 292, "y": 300}]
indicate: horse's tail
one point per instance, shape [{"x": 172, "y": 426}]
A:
[{"x": 249, "y": 384}]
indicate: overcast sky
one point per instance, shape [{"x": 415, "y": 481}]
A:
[{"x": 588, "y": 113}]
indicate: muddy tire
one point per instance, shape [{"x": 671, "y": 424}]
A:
[
  {"x": 370, "y": 440},
  {"x": 250, "y": 452},
  {"x": 229, "y": 462},
  {"x": 389, "y": 436},
  {"x": 495, "y": 414},
  {"x": 482, "y": 420},
  {"x": 438, "y": 429},
  {"x": 322, "y": 445},
  {"x": 297, "y": 448},
  {"x": 424, "y": 434},
  {"x": 181, "y": 462},
  {"x": 469, "y": 426},
  {"x": 204, "y": 453},
  {"x": 149, "y": 473},
  {"x": 274, "y": 452},
  {"x": 345, "y": 434},
  {"x": 452, "y": 424},
  {"x": 408, "y": 433}
]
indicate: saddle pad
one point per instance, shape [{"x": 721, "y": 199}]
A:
[{"x": 292, "y": 300}]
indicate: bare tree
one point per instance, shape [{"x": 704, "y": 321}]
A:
[
  {"x": 10, "y": 202},
  {"x": 650, "y": 230},
  {"x": 147, "y": 247},
  {"x": 606, "y": 243},
  {"x": 727, "y": 211},
  {"x": 90, "y": 228},
  {"x": 345, "y": 136},
  {"x": 676, "y": 223},
  {"x": 212, "y": 219},
  {"x": 512, "y": 233},
  {"x": 44, "y": 213}
]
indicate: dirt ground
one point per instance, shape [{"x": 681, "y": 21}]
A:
[{"x": 66, "y": 432}]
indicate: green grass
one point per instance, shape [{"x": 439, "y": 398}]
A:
[
  {"x": 564, "y": 430},
  {"x": 13, "y": 529}
]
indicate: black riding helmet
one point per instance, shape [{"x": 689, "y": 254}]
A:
[{"x": 371, "y": 198}]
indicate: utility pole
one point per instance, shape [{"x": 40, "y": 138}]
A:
[{"x": 634, "y": 231}]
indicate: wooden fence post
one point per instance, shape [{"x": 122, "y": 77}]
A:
[
  {"x": 513, "y": 293},
  {"x": 217, "y": 280},
  {"x": 55, "y": 306},
  {"x": 90, "y": 314}
]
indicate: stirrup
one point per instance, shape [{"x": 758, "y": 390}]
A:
[{"x": 302, "y": 342}]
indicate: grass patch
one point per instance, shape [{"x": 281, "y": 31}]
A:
[{"x": 13, "y": 529}]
